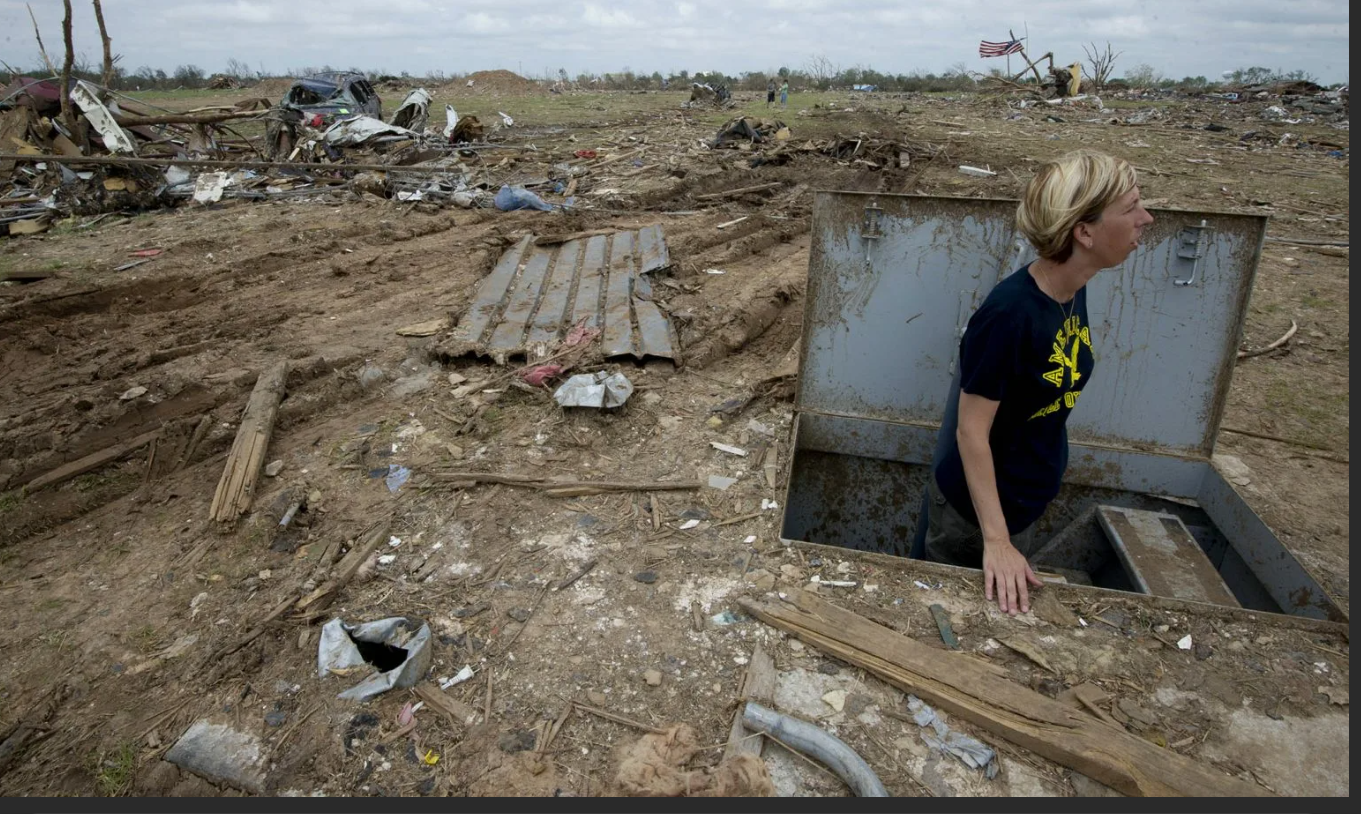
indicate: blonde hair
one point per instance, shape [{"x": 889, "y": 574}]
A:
[{"x": 1073, "y": 189}]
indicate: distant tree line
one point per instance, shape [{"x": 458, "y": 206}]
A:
[{"x": 818, "y": 73}]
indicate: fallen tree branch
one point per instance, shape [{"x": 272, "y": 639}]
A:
[
  {"x": 619, "y": 719},
  {"x": 1248, "y": 354},
  {"x": 317, "y": 601}
]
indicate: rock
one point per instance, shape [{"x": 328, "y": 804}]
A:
[
  {"x": 132, "y": 393},
  {"x": 796, "y": 646},
  {"x": 411, "y": 385},
  {"x": 828, "y": 668},
  {"x": 695, "y": 513},
  {"x": 596, "y": 698},
  {"x": 646, "y": 577},
  {"x": 761, "y": 579},
  {"x": 1336, "y": 695},
  {"x": 276, "y": 717},
  {"x": 836, "y": 699},
  {"x": 1204, "y": 651},
  {"x": 221, "y": 754},
  {"x": 653, "y": 678},
  {"x": 518, "y": 614},
  {"x": 273, "y": 468},
  {"x": 455, "y": 451},
  {"x": 455, "y": 379},
  {"x": 520, "y": 740},
  {"x": 371, "y": 376},
  {"x": 858, "y": 702}
]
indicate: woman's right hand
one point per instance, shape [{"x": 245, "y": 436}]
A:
[{"x": 1006, "y": 569}]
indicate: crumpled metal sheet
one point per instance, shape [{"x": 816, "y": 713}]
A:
[
  {"x": 536, "y": 294},
  {"x": 362, "y": 129},
  {"x": 337, "y": 653},
  {"x": 600, "y": 390},
  {"x": 938, "y": 735},
  {"x": 414, "y": 111},
  {"x": 87, "y": 99}
]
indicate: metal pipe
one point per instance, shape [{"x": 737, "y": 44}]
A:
[{"x": 814, "y": 742}]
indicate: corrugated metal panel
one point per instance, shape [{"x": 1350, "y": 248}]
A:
[
  {"x": 893, "y": 280},
  {"x": 535, "y": 294}
]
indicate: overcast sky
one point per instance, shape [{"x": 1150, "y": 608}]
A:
[{"x": 1177, "y": 37}]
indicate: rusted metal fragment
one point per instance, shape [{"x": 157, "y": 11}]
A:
[
  {"x": 618, "y": 333},
  {"x": 537, "y": 293},
  {"x": 510, "y": 334},
  {"x": 553, "y": 305},
  {"x": 486, "y": 307}
]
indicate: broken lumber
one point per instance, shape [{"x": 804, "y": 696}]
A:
[
  {"x": 758, "y": 686},
  {"x": 186, "y": 119},
  {"x": 237, "y": 486},
  {"x": 560, "y": 488},
  {"x": 90, "y": 462},
  {"x": 318, "y": 600},
  {"x": 714, "y": 196},
  {"x": 1028, "y": 719},
  {"x": 445, "y": 704}
]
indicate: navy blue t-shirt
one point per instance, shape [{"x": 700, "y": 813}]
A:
[{"x": 1018, "y": 349}]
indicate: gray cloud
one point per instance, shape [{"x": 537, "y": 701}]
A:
[{"x": 1178, "y": 38}]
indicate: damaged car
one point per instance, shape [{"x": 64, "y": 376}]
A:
[{"x": 324, "y": 97}]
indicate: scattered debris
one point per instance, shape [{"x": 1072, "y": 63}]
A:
[
  {"x": 598, "y": 390},
  {"x": 973, "y": 753},
  {"x": 221, "y": 754}
]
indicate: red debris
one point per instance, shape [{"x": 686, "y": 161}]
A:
[
  {"x": 585, "y": 154},
  {"x": 541, "y": 374},
  {"x": 145, "y": 252}
]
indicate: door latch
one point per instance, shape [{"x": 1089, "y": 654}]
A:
[
  {"x": 872, "y": 214},
  {"x": 1192, "y": 245}
]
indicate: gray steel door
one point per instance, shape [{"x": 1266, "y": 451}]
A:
[{"x": 893, "y": 280}]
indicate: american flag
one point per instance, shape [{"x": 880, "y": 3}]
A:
[{"x": 998, "y": 49}]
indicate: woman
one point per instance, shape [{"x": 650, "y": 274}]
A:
[
  {"x": 784, "y": 94},
  {"x": 1025, "y": 356}
]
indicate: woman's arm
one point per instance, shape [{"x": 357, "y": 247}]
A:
[{"x": 1002, "y": 563}]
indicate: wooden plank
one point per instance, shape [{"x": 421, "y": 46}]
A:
[
  {"x": 1028, "y": 719},
  {"x": 236, "y": 489},
  {"x": 617, "y": 339},
  {"x": 90, "y": 462},
  {"x": 1162, "y": 557},
  {"x": 547, "y": 323},
  {"x": 714, "y": 196},
  {"x": 445, "y": 704},
  {"x": 758, "y": 686}
]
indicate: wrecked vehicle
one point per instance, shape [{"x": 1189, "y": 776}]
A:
[{"x": 324, "y": 97}]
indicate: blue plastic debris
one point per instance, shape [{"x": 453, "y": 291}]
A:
[
  {"x": 511, "y": 198},
  {"x": 397, "y": 475}
]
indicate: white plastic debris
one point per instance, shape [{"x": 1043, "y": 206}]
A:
[
  {"x": 100, "y": 118},
  {"x": 460, "y": 677},
  {"x": 387, "y": 559},
  {"x": 451, "y": 121},
  {"x": 598, "y": 390},
  {"x": 767, "y": 504},
  {"x": 976, "y": 172},
  {"x": 720, "y": 483},
  {"x": 731, "y": 450},
  {"x": 715, "y": 271},
  {"x": 209, "y": 186},
  {"x": 1185, "y": 642},
  {"x": 689, "y": 524},
  {"x": 506, "y": 121}
]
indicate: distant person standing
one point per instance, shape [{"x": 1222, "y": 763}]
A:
[
  {"x": 784, "y": 94},
  {"x": 770, "y": 92}
]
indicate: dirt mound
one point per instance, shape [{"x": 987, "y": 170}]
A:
[{"x": 501, "y": 82}]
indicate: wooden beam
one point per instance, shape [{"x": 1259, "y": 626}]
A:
[
  {"x": 758, "y": 686},
  {"x": 90, "y": 462},
  {"x": 237, "y": 487},
  {"x": 1028, "y": 719},
  {"x": 714, "y": 196}
]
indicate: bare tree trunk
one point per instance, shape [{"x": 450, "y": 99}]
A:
[
  {"x": 67, "y": 114},
  {"x": 51, "y": 69},
  {"x": 107, "y": 80}
]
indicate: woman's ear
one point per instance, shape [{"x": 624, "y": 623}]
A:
[{"x": 1082, "y": 235}]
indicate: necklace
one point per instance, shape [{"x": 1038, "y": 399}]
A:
[{"x": 1067, "y": 315}]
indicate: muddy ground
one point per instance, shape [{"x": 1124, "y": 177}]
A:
[{"x": 120, "y": 594}]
